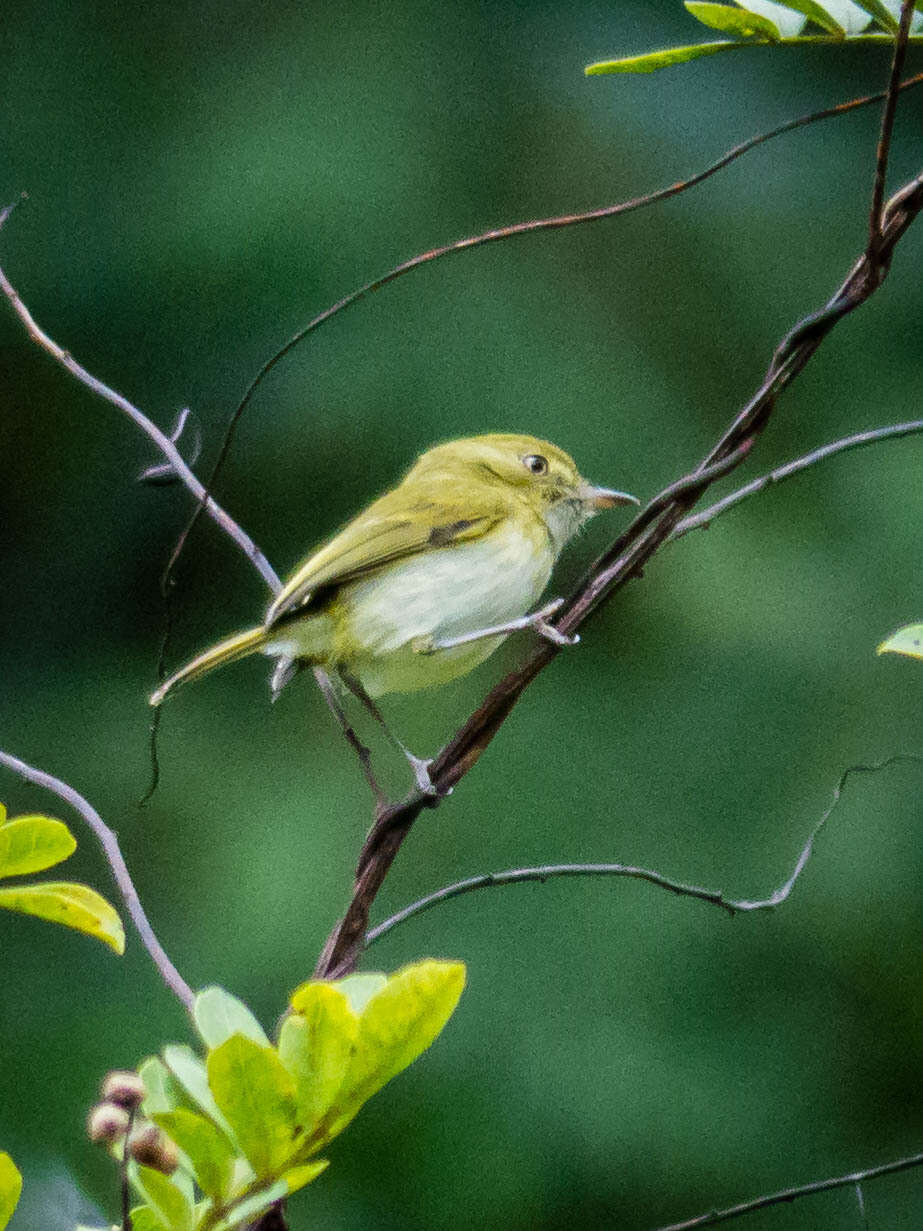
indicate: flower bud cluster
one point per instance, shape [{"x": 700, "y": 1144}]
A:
[{"x": 116, "y": 1118}]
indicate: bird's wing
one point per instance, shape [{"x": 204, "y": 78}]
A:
[{"x": 388, "y": 530}]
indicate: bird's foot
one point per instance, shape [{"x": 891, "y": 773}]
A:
[
  {"x": 539, "y": 621},
  {"x": 425, "y": 784}
]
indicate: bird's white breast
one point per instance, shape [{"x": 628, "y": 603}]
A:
[{"x": 443, "y": 594}]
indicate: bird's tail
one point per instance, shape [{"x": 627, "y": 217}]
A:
[{"x": 228, "y": 651}]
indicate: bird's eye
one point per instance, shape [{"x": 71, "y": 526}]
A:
[{"x": 536, "y": 463}]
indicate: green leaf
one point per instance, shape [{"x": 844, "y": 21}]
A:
[
  {"x": 398, "y": 1023},
  {"x": 876, "y": 9},
  {"x": 907, "y": 640},
  {"x": 218, "y": 1015},
  {"x": 169, "y": 1203},
  {"x": 851, "y": 16},
  {"x": 784, "y": 17},
  {"x": 32, "y": 844},
  {"x": 819, "y": 15},
  {"x": 256, "y": 1095},
  {"x": 299, "y": 1176},
  {"x": 74, "y": 906},
  {"x": 650, "y": 61},
  {"x": 211, "y": 1155},
  {"x": 190, "y": 1073},
  {"x": 249, "y": 1210},
  {"x": 10, "y": 1188},
  {"x": 315, "y": 1044},
  {"x": 143, "y": 1218},
  {"x": 739, "y": 22},
  {"x": 358, "y": 990},
  {"x": 161, "y": 1090}
]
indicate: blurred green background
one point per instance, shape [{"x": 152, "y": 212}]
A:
[{"x": 202, "y": 179}]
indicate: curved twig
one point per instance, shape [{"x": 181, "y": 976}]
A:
[
  {"x": 519, "y": 876},
  {"x": 857, "y": 441},
  {"x": 110, "y": 845},
  {"x": 785, "y": 1195},
  {"x": 164, "y": 443}
]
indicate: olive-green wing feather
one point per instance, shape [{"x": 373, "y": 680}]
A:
[{"x": 392, "y": 528}]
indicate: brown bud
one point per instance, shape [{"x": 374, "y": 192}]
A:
[
  {"x": 151, "y": 1148},
  {"x": 123, "y": 1086},
  {"x": 106, "y": 1123}
]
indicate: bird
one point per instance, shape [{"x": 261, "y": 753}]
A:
[{"x": 430, "y": 579}]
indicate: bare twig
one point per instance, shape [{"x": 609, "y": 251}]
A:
[
  {"x": 704, "y": 518},
  {"x": 623, "y": 561},
  {"x": 110, "y": 845},
  {"x": 792, "y": 1194},
  {"x": 519, "y": 876},
  {"x": 529, "y": 227},
  {"x": 160, "y": 438},
  {"x": 887, "y": 131}
]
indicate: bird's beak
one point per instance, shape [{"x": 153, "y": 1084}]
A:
[{"x": 604, "y": 497}]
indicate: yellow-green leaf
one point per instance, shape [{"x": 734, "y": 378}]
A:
[
  {"x": 218, "y": 1015},
  {"x": 730, "y": 20},
  {"x": 650, "y": 61},
  {"x": 299, "y": 1176},
  {"x": 170, "y": 1204},
  {"x": 785, "y": 17},
  {"x": 358, "y": 989},
  {"x": 32, "y": 844},
  {"x": 210, "y": 1153},
  {"x": 876, "y": 9},
  {"x": 819, "y": 15},
  {"x": 398, "y": 1023},
  {"x": 256, "y": 1095},
  {"x": 315, "y": 1045},
  {"x": 10, "y": 1188},
  {"x": 74, "y": 906},
  {"x": 250, "y": 1209},
  {"x": 189, "y": 1072},
  {"x": 143, "y": 1218},
  {"x": 161, "y": 1090},
  {"x": 907, "y": 640}
]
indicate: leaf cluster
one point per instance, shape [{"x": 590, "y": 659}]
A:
[
  {"x": 249, "y": 1118},
  {"x": 34, "y": 843},
  {"x": 767, "y": 23}
]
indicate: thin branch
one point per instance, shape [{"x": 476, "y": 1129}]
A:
[
  {"x": 792, "y": 1194},
  {"x": 887, "y": 131},
  {"x": 519, "y": 876},
  {"x": 163, "y": 442},
  {"x": 529, "y": 227},
  {"x": 781, "y": 473},
  {"x": 624, "y": 560},
  {"x": 110, "y": 845}
]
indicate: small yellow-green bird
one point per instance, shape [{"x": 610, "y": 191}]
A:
[{"x": 430, "y": 579}]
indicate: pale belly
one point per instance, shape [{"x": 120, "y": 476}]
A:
[{"x": 440, "y": 594}]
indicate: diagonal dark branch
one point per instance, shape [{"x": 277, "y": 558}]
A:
[
  {"x": 623, "y": 561},
  {"x": 886, "y": 133}
]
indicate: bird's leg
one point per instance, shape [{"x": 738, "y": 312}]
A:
[
  {"x": 419, "y": 766},
  {"x": 537, "y": 620},
  {"x": 325, "y": 684}
]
